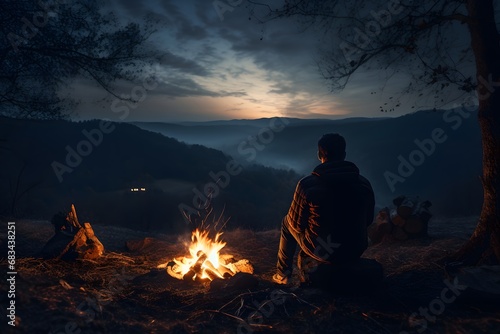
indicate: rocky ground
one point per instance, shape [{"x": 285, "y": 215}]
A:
[{"x": 123, "y": 292}]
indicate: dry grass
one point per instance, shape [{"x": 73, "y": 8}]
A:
[{"x": 122, "y": 292}]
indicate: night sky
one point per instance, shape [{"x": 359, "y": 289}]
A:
[{"x": 232, "y": 66}]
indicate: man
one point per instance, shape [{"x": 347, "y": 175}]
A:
[{"x": 329, "y": 215}]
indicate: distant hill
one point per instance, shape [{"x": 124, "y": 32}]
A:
[
  {"x": 47, "y": 165},
  {"x": 448, "y": 176}
]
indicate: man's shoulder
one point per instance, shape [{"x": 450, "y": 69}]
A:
[
  {"x": 308, "y": 181},
  {"x": 364, "y": 181}
]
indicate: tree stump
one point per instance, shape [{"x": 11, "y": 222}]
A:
[{"x": 72, "y": 241}]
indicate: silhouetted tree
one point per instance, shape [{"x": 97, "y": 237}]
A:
[
  {"x": 422, "y": 38},
  {"x": 43, "y": 44}
]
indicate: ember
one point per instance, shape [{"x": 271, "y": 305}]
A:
[{"x": 204, "y": 261}]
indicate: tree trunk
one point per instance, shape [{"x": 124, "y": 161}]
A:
[{"x": 484, "y": 244}]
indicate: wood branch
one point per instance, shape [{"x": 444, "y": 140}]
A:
[{"x": 73, "y": 218}]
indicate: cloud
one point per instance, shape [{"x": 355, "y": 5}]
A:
[
  {"x": 185, "y": 65},
  {"x": 241, "y": 65}
]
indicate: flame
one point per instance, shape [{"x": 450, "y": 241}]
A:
[{"x": 203, "y": 261}]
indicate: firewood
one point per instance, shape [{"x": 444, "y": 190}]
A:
[
  {"x": 209, "y": 266},
  {"x": 73, "y": 218},
  {"x": 398, "y": 220},
  {"x": 382, "y": 216},
  {"x": 211, "y": 274},
  {"x": 197, "y": 266},
  {"x": 406, "y": 208},
  {"x": 195, "y": 269},
  {"x": 405, "y": 211},
  {"x": 189, "y": 276},
  {"x": 225, "y": 271},
  {"x": 414, "y": 225}
]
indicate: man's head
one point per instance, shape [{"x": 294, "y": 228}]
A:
[{"x": 331, "y": 147}]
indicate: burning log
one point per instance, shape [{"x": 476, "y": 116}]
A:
[
  {"x": 210, "y": 267},
  {"x": 212, "y": 274},
  {"x": 225, "y": 272},
  {"x": 196, "y": 270}
]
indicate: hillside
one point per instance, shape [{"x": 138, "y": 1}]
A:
[
  {"x": 47, "y": 165},
  {"x": 447, "y": 173}
]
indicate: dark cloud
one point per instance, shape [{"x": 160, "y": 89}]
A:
[
  {"x": 186, "y": 66},
  {"x": 190, "y": 31},
  {"x": 282, "y": 89},
  {"x": 178, "y": 87}
]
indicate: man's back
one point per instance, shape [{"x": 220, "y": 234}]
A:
[
  {"x": 340, "y": 205},
  {"x": 329, "y": 215}
]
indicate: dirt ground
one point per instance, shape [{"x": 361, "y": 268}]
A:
[{"x": 123, "y": 292}]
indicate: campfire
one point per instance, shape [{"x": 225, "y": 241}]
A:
[{"x": 204, "y": 261}]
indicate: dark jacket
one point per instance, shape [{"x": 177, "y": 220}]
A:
[{"x": 333, "y": 205}]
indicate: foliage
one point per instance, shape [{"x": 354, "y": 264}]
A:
[{"x": 43, "y": 45}]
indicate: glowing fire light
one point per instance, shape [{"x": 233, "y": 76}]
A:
[{"x": 203, "y": 261}]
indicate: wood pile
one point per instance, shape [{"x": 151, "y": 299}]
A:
[{"x": 407, "y": 220}]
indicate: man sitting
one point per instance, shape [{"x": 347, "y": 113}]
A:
[{"x": 329, "y": 215}]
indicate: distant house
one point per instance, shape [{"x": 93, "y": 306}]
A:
[{"x": 134, "y": 190}]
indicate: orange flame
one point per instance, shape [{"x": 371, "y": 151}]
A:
[{"x": 203, "y": 261}]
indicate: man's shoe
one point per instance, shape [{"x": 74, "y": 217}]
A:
[{"x": 277, "y": 278}]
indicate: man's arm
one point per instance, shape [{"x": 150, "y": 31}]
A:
[
  {"x": 370, "y": 214},
  {"x": 298, "y": 214}
]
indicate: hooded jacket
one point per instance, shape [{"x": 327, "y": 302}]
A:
[{"x": 332, "y": 208}]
